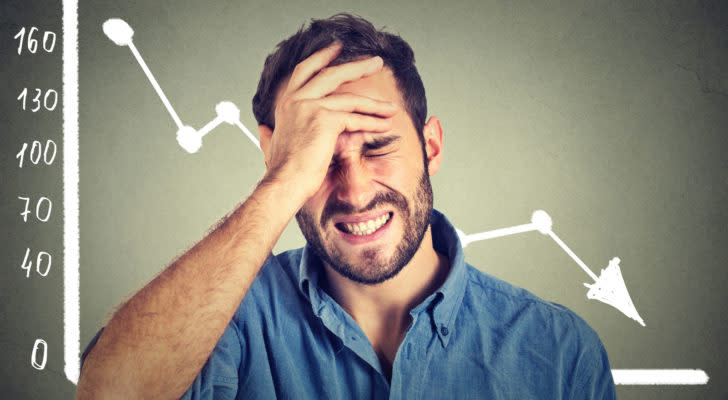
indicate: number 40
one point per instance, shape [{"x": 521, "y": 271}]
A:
[{"x": 43, "y": 258}]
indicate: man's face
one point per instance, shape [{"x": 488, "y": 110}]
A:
[{"x": 373, "y": 208}]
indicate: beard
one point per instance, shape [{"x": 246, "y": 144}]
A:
[{"x": 373, "y": 267}]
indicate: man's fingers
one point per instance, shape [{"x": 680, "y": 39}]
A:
[
  {"x": 330, "y": 78},
  {"x": 351, "y": 122},
  {"x": 312, "y": 65},
  {"x": 350, "y": 102}
]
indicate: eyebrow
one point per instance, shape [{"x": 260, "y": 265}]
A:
[
  {"x": 378, "y": 142},
  {"x": 375, "y": 143}
]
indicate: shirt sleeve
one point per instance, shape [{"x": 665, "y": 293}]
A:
[
  {"x": 593, "y": 379},
  {"x": 218, "y": 378}
]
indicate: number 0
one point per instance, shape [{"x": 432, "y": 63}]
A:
[{"x": 34, "y": 356}]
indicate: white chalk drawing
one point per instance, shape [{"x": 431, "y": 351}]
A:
[
  {"x": 38, "y": 208},
  {"x": 30, "y": 43},
  {"x": 36, "y": 149},
  {"x": 27, "y": 264},
  {"x": 227, "y": 112},
  {"x": 190, "y": 139},
  {"x": 608, "y": 287},
  {"x": 39, "y": 344},
  {"x": 660, "y": 376},
  {"x": 71, "y": 245},
  {"x": 49, "y": 103}
]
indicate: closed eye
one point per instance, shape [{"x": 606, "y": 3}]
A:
[
  {"x": 377, "y": 143},
  {"x": 380, "y": 146},
  {"x": 378, "y": 154}
]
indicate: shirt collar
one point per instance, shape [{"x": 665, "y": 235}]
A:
[
  {"x": 309, "y": 279},
  {"x": 441, "y": 305},
  {"x": 445, "y": 302}
]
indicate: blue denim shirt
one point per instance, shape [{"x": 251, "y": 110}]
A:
[{"x": 475, "y": 337}]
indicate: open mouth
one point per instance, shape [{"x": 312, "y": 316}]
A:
[{"x": 364, "y": 228}]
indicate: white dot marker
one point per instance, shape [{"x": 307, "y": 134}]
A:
[
  {"x": 542, "y": 221},
  {"x": 118, "y": 31},
  {"x": 189, "y": 139},
  {"x": 228, "y": 112}
]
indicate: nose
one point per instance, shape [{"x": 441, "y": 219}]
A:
[{"x": 354, "y": 184}]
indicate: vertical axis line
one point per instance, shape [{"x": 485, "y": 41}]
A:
[{"x": 71, "y": 309}]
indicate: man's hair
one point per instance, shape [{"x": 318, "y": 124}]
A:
[{"x": 360, "y": 39}]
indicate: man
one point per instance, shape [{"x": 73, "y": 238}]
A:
[{"x": 380, "y": 303}]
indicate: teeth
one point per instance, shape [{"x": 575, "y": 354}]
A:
[{"x": 367, "y": 227}]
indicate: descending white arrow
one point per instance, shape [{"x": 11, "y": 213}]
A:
[
  {"x": 188, "y": 138},
  {"x": 608, "y": 287}
]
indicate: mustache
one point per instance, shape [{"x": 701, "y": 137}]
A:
[{"x": 335, "y": 206}]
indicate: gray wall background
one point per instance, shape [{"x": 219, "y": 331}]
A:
[{"x": 611, "y": 116}]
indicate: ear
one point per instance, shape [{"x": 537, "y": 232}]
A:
[
  {"x": 432, "y": 132},
  {"x": 265, "y": 134}
]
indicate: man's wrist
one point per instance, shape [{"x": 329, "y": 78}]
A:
[
  {"x": 282, "y": 192},
  {"x": 288, "y": 184}
]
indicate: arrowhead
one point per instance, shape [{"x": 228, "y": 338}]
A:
[{"x": 611, "y": 289}]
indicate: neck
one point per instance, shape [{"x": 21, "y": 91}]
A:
[{"x": 391, "y": 301}]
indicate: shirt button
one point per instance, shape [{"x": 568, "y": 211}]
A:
[{"x": 444, "y": 331}]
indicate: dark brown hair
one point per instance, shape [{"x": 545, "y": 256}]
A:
[{"x": 359, "y": 39}]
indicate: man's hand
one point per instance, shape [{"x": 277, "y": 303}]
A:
[{"x": 309, "y": 118}]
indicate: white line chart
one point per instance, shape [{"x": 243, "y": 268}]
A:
[
  {"x": 190, "y": 139},
  {"x": 608, "y": 287}
]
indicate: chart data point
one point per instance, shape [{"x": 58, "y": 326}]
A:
[
  {"x": 542, "y": 221},
  {"x": 189, "y": 139},
  {"x": 228, "y": 112},
  {"x": 118, "y": 31}
]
